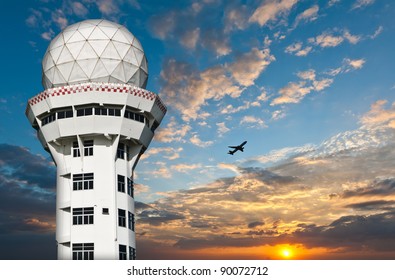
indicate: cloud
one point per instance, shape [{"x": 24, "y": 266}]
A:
[
  {"x": 307, "y": 75},
  {"x": 59, "y": 18},
  {"x": 255, "y": 224},
  {"x": 379, "y": 115},
  {"x": 166, "y": 152},
  {"x": 21, "y": 165},
  {"x": 359, "y": 4},
  {"x": 162, "y": 172},
  {"x": 378, "y": 31},
  {"x": 296, "y": 48},
  {"x": 79, "y": 9},
  {"x": 292, "y": 93},
  {"x": 236, "y": 18},
  {"x": 333, "y": 2},
  {"x": 326, "y": 40},
  {"x": 108, "y": 7},
  {"x": 162, "y": 25},
  {"x": 216, "y": 41},
  {"x": 278, "y": 114},
  {"x": 355, "y": 64},
  {"x": 379, "y": 187},
  {"x": 229, "y": 109},
  {"x": 48, "y": 35},
  {"x": 27, "y": 199},
  {"x": 310, "y": 14},
  {"x": 190, "y": 38},
  {"x": 352, "y": 232},
  {"x": 195, "y": 140},
  {"x": 288, "y": 201},
  {"x": 141, "y": 188},
  {"x": 188, "y": 89},
  {"x": 352, "y": 39},
  {"x": 182, "y": 167},
  {"x": 348, "y": 65},
  {"x": 253, "y": 122},
  {"x": 271, "y": 10},
  {"x": 34, "y": 18},
  {"x": 156, "y": 217},
  {"x": 247, "y": 67},
  {"x": 173, "y": 132},
  {"x": 372, "y": 205},
  {"x": 222, "y": 129},
  {"x": 322, "y": 84}
]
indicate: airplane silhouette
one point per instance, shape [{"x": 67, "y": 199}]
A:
[{"x": 237, "y": 148}]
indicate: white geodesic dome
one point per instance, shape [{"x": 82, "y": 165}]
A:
[{"x": 94, "y": 51}]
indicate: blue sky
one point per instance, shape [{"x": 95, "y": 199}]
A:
[{"x": 309, "y": 84}]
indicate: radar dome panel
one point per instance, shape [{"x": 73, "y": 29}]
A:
[{"x": 91, "y": 51}]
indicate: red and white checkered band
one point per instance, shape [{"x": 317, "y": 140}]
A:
[{"x": 101, "y": 87}]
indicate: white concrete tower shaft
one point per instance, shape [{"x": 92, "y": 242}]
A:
[{"x": 96, "y": 130}]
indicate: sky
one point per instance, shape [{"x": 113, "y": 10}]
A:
[{"x": 309, "y": 84}]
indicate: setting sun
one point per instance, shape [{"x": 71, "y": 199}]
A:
[{"x": 286, "y": 253}]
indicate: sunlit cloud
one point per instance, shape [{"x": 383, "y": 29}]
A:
[
  {"x": 379, "y": 115},
  {"x": 326, "y": 40},
  {"x": 376, "y": 33},
  {"x": 182, "y": 167},
  {"x": 236, "y": 18},
  {"x": 222, "y": 129},
  {"x": 296, "y": 49},
  {"x": 271, "y": 10},
  {"x": 253, "y": 122},
  {"x": 173, "y": 132},
  {"x": 188, "y": 89},
  {"x": 189, "y": 39},
  {"x": 195, "y": 140},
  {"x": 309, "y": 14},
  {"x": 359, "y": 4},
  {"x": 169, "y": 153},
  {"x": 247, "y": 67},
  {"x": 292, "y": 93}
]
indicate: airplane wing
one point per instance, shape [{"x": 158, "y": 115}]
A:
[{"x": 233, "y": 147}]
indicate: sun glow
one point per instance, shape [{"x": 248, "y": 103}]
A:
[{"x": 286, "y": 253}]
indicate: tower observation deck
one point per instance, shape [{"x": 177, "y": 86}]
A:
[{"x": 96, "y": 119}]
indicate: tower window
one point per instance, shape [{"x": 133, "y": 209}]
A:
[
  {"x": 65, "y": 114},
  {"x": 131, "y": 221},
  {"x": 121, "y": 218},
  {"x": 122, "y": 252},
  {"x": 134, "y": 116},
  {"x": 130, "y": 187},
  {"x": 76, "y": 149},
  {"x": 83, "y": 251},
  {"x": 106, "y": 211},
  {"x": 83, "y": 181},
  {"x": 101, "y": 111},
  {"x": 114, "y": 112},
  {"x": 132, "y": 253},
  {"x": 121, "y": 183},
  {"x": 121, "y": 151},
  {"x": 48, "y": 119},
  {"x": 88, "y": 148},
  {"x": 84, "y": 112},
  {"x": 83, "y": 216}
]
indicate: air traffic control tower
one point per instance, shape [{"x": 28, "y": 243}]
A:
[{"x": 96, "y": 119}]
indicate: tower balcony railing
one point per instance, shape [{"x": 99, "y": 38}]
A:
[{"x": 98, "y": 87}]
